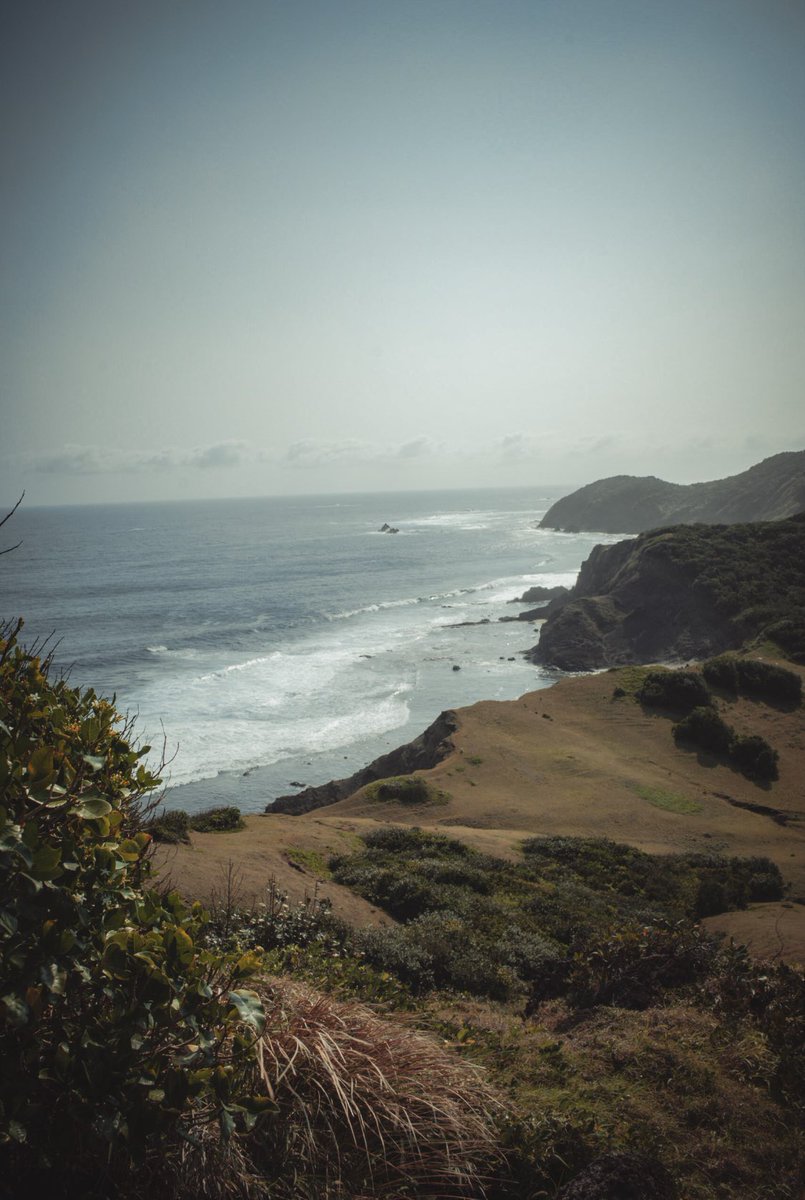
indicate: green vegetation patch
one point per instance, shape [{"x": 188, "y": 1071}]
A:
[
  {"x": 630, "y": 680},
  {"x": 673, "y": 802},
  {"x": 313, "y": 860},
  {"x": 680, "y": 690},
  {"x": 217, "y": 820},
  {"x": 174, "y": 824},
  {"x": 754, "y": 677},
  {"x": 750, "y": 754},
  {"x": 118, "y": 1034},
  {"x": 405, "y": 789},
  {"x": 495, "y": 928}
]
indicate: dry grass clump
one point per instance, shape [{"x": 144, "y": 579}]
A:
[
  {"x": 363, "y": 1108},
  {"x": 366, "y": 1105}
]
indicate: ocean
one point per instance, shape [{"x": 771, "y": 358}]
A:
[{"x": 269, "y": 643}]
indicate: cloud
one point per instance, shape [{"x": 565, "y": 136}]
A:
[
  {"x": 103, "y": 460},
  {"x": 224, "y": 454},
  {"x": 514, "y": 447},
  {"x": 308, "y": 453}
]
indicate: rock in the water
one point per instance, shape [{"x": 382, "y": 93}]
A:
[
  {"x": 533, "y": 594},
  {"x": 386, "y": 528}
]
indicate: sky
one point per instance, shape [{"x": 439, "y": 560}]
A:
[{"x": 257, "y": 248}]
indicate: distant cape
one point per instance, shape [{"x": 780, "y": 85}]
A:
[{"x": 769, "y": 491}]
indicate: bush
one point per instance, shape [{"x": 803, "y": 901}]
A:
[
  {"x": 169, "y": 825},
  {"x": 754, "y": 677},
  {"x": 117, "y": 1036},
  {"x": 681, "y": 690},
  {"x": 726, "y": 884},
  {"x": 789, "y": 635},
  {"x": 404, "y": 789},
  {"x": 444, "y": 950},
  {"x": 217, "y": 820},
  {"x": 705, "y": 728},
  {"x": 771, "y": 682},
  {"x": 721, "y": 672},
  {"x": 400, "y": 839},
  {"x": 773, "y": 996},
  {"x": 755, "y": 758},
  {"x": 633, "y": 967}
]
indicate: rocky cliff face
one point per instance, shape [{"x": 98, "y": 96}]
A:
[
  {"x": 680, "y": 593},
  {"x": 419, "y": 755},
  {"x": 769, "y": 491}
]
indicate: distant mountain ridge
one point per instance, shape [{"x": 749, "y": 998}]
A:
[{"x": 769, "y": 491}]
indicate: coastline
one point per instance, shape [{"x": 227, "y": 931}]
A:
[{"x": 569, "y": 760}]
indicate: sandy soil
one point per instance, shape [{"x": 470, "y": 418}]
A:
[{"x": 571, "y": 760}]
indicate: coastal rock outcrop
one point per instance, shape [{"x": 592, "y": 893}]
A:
[
  {"x": 538, "y": 593},
  {"x": 769, "y": 491},
  {"x": 421, "y": 754},
  {"x": 686, "y": 592}
]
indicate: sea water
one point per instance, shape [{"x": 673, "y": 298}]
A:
[{"x": 267, "y": 643}]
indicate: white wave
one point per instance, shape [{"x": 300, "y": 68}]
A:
[
  {"x": 166, "y": 652},
  {"x": 209, "y": 747},
  {"x": 371, "y": 608}
]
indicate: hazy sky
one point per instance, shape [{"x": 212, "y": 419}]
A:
[{"x": 255, "y": 248}]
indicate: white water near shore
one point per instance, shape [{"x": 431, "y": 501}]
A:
[{"x": 277, "y": 642}]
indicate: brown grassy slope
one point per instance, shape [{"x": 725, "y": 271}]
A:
[{"x": 568, "y": 760}]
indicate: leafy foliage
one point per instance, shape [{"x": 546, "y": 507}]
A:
[
  {"x": 174, "y": 824},
  {"x": 750, "y": 753},
  {"x": 683, "y": 690},
  {"x": 754, "y": 677},
  {"x": 704, "y": 727},
  {"x": 768, "y": 681},
  {"x": 495, "y": 928},
  {"x": 110, "y": 1013},
  {"x": 721, "y": 672},
  {"x": 217, "y": 820},
  {"x": 753, "y": 755},
  {"x": 405, "y": 789}
]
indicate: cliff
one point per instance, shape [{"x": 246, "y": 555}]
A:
[
  {"x": 680, "y": 593},
  {"x": 421, "y": 754},
  {"x": 769, "y": 491}
]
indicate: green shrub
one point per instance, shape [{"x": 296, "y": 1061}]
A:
[
  {"x": 789, "y": 635},
  {"x": 217, "y": 820},
  {"x": 682, "y": 690},
  {"x": 169, "y": 825},
  {"x": 721, "y": 672},
  {"x": 401, "y": 839},
  {"x": 773, "y": 996},
  {"x": 755, "y": 678},
  {"x": 634, "y": 967},
  {"x": 118, "y": 1035},
  {"x": 768, "y": 681},
  {"x": 729, "y": 883},
  {"x": 444, "y": 950},
  {"x": 755, "y": 758},
  {"x": 705, "y": 728},
  {"x": 405, "y": 789}
]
